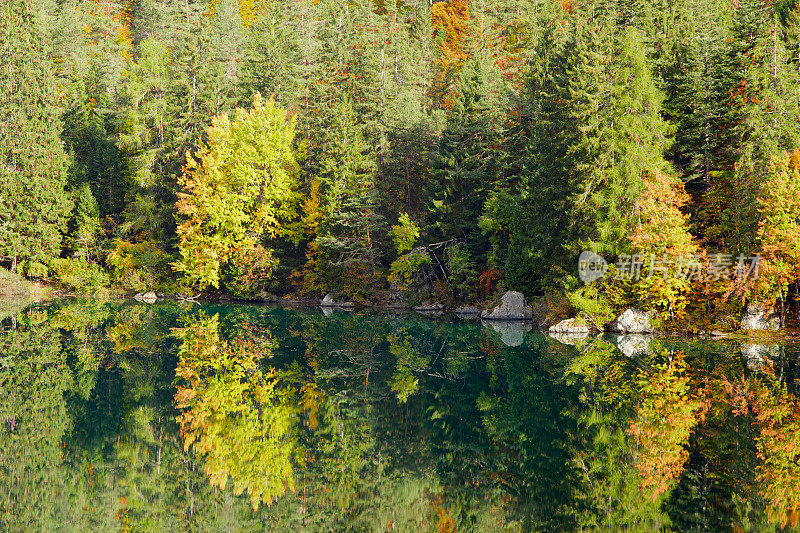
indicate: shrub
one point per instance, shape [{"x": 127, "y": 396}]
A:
[
  {"x": 79, "y": 275},
  {"x": 404, "y": 234},
  {"x": 463, "y": 275},
  {"x": 487, "y": 282},
  {"x": 34, "y": 269},
  {"x": 249, "y": 271},
  {"x": 360, "y": 281},
  {"x": 407, "y": 269},
  {"x": 137, "y": 267}
]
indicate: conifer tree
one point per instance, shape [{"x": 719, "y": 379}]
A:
[
  {"x": 464, "y": 167},
  {"x": 33, "y": 164},
  {"x": 351, "y": 230}
]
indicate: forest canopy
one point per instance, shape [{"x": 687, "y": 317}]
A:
[{"x": 261, "y": 148}]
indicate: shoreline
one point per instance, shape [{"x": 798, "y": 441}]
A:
[{"x": 295, "y": 302}]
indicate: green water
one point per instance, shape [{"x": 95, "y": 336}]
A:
[{"x": 169, "y": 417}]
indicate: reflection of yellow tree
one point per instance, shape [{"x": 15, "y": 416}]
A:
[
  {"x": 404, "y": 383},
  {"x": 234, "y": 413},
  {"x": 665, "y": 419}
]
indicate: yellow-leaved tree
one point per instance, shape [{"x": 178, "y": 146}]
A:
[
  {"x": 240, "y": 190},
  {"x": 234, "y": 413}
]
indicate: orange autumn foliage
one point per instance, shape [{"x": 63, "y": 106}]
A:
[
  {"x": 249, "y": 10},
  {"x": 664, "y": 421},
  {"x": 776, "y": 415},
  {"x": 450, "y": 21}
]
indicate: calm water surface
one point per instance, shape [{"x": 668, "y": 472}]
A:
[{"x": 169, "y": 417}]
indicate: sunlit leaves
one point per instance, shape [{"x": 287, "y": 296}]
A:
[
  {"x": 233, "y": 413},
  {"x": 664, "y": 421},
  {"x": 239, "y": 190}
]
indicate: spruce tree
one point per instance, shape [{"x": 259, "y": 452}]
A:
[
  {"x": 353, "y": 225},
  {"x": 464, "y": 167},
  {"x": 33, "y": 164}
]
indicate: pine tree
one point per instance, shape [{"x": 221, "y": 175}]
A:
[
  {"x": 33, "y": 164},
  {"x": 273, "y": 56},
  {"x": 350, "y": 199},
  {"x": 464, "y": 167}
]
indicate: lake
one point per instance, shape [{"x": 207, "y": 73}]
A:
[{"x": 188, "y": 417}]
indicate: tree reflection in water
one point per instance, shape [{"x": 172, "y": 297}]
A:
[{"x": 127, "y": 416}]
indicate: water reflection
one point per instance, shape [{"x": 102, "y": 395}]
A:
[
  {"x": 185, "y": 417},
  {"x": 237, "y": 416}
]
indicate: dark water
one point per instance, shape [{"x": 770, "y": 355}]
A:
[{"x": 124, "y": 416}]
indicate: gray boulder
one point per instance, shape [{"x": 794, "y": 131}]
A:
[
  {"x": 512, "y": 307},
  {"x": 633, "y": 321},
  {"x": 511, "y": 333},
  {"x": 759, "y": 317},
  {"x": 570, "y": 325},
  {"x": 328, "y": 301}
]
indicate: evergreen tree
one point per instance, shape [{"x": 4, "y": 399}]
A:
[
  {"x": 350, "y": 232},
  {"x": 464, "y": 167},
  {"x": 33, "y": 164}
]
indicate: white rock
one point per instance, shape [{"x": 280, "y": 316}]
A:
[
  {"x": 758, "y": 317},
  {"x": 571, "y": 338},
  {"x": 633, "y": 321},
  {"x": 757, "y": 356},
  {"x": 148, "y": 297},
  {"x": 512, "y": 307}
]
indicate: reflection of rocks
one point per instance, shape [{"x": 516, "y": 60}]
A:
[
  {"x": 759, "y": 317},
  {"x": 467, "y": 312},
  {"x": 429, "y": 308},
  {"x": 511, "y": 333},
  {"x": 512, "y": 307},
  {"x": 571, "y": 325},
  {"x": 329, "y": 310},
  {"x": 571, "y": 338},
  {"x": 757, "y": 356},
  {"x": 633, "y": 321},
  {"x": 147, "y": 297},
  {"x": 328, "y": 301},
  {"x": 634, "y": 345}
]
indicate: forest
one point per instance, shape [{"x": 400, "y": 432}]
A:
[{"x": 448, "y": 150}]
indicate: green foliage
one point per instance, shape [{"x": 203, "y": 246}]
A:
[
  {"x": 350, "y": 230},
  {"x": 240, "y": 190},
  {"x": 234, "y": 413},
  {"x": 79, "y": 275},
  {"x": 406, "y": 269},
  {"x": 594, "y": 305},
  {"x": 404, "y": 234},
  {"x": 779, "y": 229},
  {"x": 463, "y": 275},
  {"x": 249, "y": 272},
  {"x": 34, "y": 204},
  {"x": 138, "y": 267}
]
